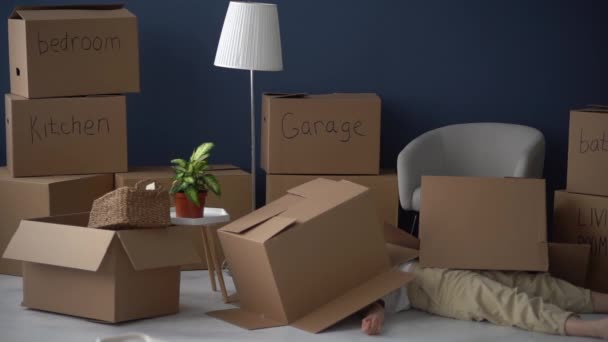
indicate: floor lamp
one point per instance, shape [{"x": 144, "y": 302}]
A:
[{"x": 250, "y": 40}]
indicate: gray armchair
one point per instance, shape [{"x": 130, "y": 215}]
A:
[{"x": 474, "y": 149}]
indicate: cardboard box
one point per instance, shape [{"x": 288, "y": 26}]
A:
[
  {"x": 588, "y": 151},
  {"x": 235, "y": 199},
  {"x": 583, "y": 219},
  {"x": 112, "y": 276},
  {"x": 483, "y": 223},
  {"x": 383, "y": 187},
  {"x": 321, "y": 134},
  {"x": 570, "y": 262},
  {"x": 24, "y": 198},
  {"x": 73, "y": 50},
  {"x": 292, "y": 260},
  {"x": 66, "y": 136}
]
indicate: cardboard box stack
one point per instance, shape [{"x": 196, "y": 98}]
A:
[
  {"x": 65, "y": 125},
  {"x": 335, "y": 136},
  {"x": 66, "y": 135},
  {"x": 581, "y": 211}
]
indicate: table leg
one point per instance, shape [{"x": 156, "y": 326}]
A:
[
  {"x": 218, "y": 267},
  {"x": 209, "y": 259}
]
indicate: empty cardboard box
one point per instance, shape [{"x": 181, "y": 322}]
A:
[
  {"x": 30, "y": 197},
  {"x": 583, "y": 219},
  {"x": 66, "y": 136},
  {"x": 111, "y": 276},
  {"x": 570, "y": 261},
  {"x": 321, "y": 134},
  {"x": 383, "y": 187},
  {"x": 73, "y": 50},
  {"x": 292, "y": 260},
  {"x": 483, "y": 223},
  {"x": 235, "y": 199},
  {"x": 588, "y": 151}
]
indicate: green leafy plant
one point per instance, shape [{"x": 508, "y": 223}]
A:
[{"x": 192, "y": 177}]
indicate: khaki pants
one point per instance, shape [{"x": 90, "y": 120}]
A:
[{"x": 535, "y": 302}]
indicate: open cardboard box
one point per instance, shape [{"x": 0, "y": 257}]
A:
[
  {"x": 309, "y": 259},
  {"x": 111, "y": 276}
]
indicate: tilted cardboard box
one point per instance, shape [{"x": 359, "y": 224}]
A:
[
  {"x": 66, "y": 136},
  {"x": 483, "y": 223},
  {"x": 73, "y": 50},
  {"x": 235, "y": 199},
  {"x": 588, "y": 151},
  {"x": 583, "y": 219},
  {"x": 383, "y": 187},
  {"x": 321, "y": 134},
  {"x": 29, "y": 197},
  {"x": 110, "y": 276},
  {"x": 308, "y": 259}
]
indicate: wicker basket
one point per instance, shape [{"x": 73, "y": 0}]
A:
[{"x": 128, "y": 208}]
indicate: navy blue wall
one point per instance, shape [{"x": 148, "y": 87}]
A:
[{"x": 433, "y": 62}]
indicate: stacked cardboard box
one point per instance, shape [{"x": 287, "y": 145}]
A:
[
  {"x": 335, "y": 136},
  {"x": 66, "y": 135},
  {"x": 581, "y": 211}
]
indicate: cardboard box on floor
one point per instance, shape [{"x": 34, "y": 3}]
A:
[
  {"x": 24, "y": 198},
  {"x": 292, "y": 260},
  {"x": 383, "y": 187},
  {"x": 475, "y": 223},
  {"x": 583, "y": 219},
  {"x": 111, "y": 276},
  {"x": 235, "y": 199},
  {"x": 73, "y": 50},
  {"x": 569, "y": 262},
  {"x": 321, "y": 134},
  {"x": 66, "y": 136},
  {"x": 588, "y": 151}
]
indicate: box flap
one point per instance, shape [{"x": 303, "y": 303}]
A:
[
  {"x": 400, "y": 237},
  {"x": 158, "y": 247},
  {"x": 245, "y": 319},
  {"x": 266, "y": 212},
  {"x": 400, "y": 255},
  {"x": 269, "y": 228},
  {"x": 59, "y": 245},
  {"x": 70, "y": 12},
  {"x": 286, "y": 95},
  {"x": 323, "y": 188},
  {"x": 221, "y": 167},
  {"x": 353, "y": 301}
]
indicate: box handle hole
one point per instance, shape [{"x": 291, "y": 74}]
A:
[{"x": 18, "y": 72}]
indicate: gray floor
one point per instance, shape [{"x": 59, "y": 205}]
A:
[{"x": 191, "y": 324}]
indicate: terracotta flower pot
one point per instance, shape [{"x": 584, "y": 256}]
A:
[{"x": 185, "y": 208}]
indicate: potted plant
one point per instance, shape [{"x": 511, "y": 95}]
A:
[{"x": 192, "y": 181}]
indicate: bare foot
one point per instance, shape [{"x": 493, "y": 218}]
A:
[
  {"x": 601, "y": 328},
  {"x": 591, "y": 328},
  {"x": 373, "y": 321}
]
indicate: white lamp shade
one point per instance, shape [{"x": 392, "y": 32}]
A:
[{"x": 250, "y": 39}]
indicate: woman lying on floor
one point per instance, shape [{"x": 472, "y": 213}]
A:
[{"x": 535, "y": 302}]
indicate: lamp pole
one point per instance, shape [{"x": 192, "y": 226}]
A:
[{"x": 253, "y": 171}]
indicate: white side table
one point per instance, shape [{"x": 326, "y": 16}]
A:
[{"x": 211, "y": 217}]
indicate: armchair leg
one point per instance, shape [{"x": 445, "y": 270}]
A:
[{"x": 414, "y": 222}]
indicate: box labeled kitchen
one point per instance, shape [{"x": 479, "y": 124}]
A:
[
  {"x": 588, "y": 151},
  {"x": 483, "y": 223},
  {"x": 30, "y": 197},
  {"x": 112, "y": 276},
  {"x": 321, "y": 134},
  {"x": 383, "y": 188},
  {"x": 73, "y": 50},
  {"x": 292, "y": 260},
  {"x": 65, "y": 136},
  {"x": 235, "y": 199}
]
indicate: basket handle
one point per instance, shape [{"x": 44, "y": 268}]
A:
[{"x": 141, "y": 185}]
